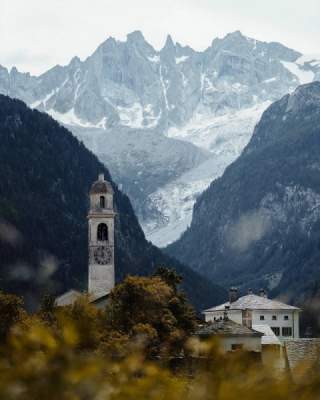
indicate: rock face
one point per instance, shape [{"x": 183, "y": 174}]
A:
[
  {"x": 45, "y": 177},
  {"x": 129, "y": 99},
  {"x": 258, "y": 225}
]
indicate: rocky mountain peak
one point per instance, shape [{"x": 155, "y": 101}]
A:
[
  {"x": 75, "y": 61},
  {"x": 136, "y": 36},
  {"x": 236, "y": 35},
  {"x": 281, "y": 121},
  {"x": 261, "y": 217},
  {"x": 14, "y": 71},
  {"x": 169, "y": 50},
  {"x": 211, "y": 100},
  {"x": 109, "y": 44},
  {"x": 169, "y": 44},
  {"x": 304, "y": 97},
  {"x": 137, "y": 41},
  {"x": 233, "y": 38}
]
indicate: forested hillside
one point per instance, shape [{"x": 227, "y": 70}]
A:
[
  {"x": 45, "y": 177},
  {"x": 259, "y": 224}
]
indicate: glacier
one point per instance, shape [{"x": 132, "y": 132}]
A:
[
  {"x": 225, "y": 137},
  {"x": 169, "y": 122}
]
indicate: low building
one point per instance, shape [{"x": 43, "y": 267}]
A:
[
  {"x": 273, "y": 353},
  {"x": 256, "y": 310},
  {"x": 232, "y": 336}
]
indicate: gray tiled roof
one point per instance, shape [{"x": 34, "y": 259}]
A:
[
  {"x": 67, "y": 298},
  {"x": 225, "y": 327},
  {"x": 253, "y": 302},
  {"x": 269, "y": 336}
]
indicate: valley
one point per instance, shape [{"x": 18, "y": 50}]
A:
[{"x": 165, "y": 122}]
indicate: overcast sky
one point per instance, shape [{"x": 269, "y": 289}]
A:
[{"x": 38, "y": 34}]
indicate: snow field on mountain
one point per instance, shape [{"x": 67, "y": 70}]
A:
[
  {"x": 166, "y": 123},
  {"x": 225, "y": 136}
]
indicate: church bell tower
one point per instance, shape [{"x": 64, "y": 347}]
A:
[{"x": 101, "y": 238}]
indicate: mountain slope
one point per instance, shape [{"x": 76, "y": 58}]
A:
[
  {"x": 126, "y": 97},
  {"x": 258, "y": 225},
  {"x": 141, "y": 160},
  {"x": 45, "y": 177}
]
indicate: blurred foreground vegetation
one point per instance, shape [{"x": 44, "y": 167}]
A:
[{"x": 122, "y": 352}]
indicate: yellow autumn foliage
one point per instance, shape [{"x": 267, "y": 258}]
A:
[
  {"x": 82, "y": 353},
  {"x": 39, "y": 362}
]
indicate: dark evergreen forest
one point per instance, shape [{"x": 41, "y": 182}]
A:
[{"x": 45, "y": 176}]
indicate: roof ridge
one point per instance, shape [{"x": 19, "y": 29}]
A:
[{"x": 253, "y": 301}]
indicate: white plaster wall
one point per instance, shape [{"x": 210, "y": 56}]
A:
[
  {"x": 236, "y": 316},
  {"x": 280, "y": 322},
  {"x": 296, "y": 325},
  {"x": 95, "y": 201},
  {"x": 249, "y": 343},
  {"x": 101, "y": 278}
]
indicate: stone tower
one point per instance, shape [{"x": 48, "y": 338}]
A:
[{"x": 101, "y": 238}]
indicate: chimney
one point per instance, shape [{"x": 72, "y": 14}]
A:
[
  {"x": 225, "y": 313},
  {"x": 262, "y": 293},
  {"x": 247, "y": 318},
  {"x": 233, "y": 294},
  {"x": 101, "y": 177}
]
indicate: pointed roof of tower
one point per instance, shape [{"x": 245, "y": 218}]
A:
[{"x": 101, "y": 186}]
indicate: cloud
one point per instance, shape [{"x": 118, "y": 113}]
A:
[
  {"x": 21, "y": 272},
  {"x": 248, "y": 229},
  {"x": 9, "y": 234}
]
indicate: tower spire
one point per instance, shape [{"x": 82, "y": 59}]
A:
[{"x": 101, "y": 216}]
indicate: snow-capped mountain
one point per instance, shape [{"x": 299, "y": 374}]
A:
[
  {"x": 166, "y": 122},
  {"x": 258, "y": 225},
  {"x": 225, "y": 136}
]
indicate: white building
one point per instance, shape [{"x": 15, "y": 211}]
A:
[
  {"x": 101, "y": 265},
  {"x": 255, "y": 311},
  {"x": 232, "y": 336}
]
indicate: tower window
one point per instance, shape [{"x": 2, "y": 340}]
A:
[
  {"x": 102, "y": 202},
  {"x": 102, "y": 232}
]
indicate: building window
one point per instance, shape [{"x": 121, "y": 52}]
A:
[
  {"x": 274, "y": 318},
  {"x": 261, "y": 317},
  {"x": 102, "y": 233},
  {"x": 276, "y": 330},
  {"x": 102, "y": 202},
  {"x": 236, "y": 346},
  {"x": 286, "y": 317},
  {"x": 287, "y": 331}
]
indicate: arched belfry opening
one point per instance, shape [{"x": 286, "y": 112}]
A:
[
  {"x": 102, "y": 202},
  {"x": 102, "y": 233}
]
